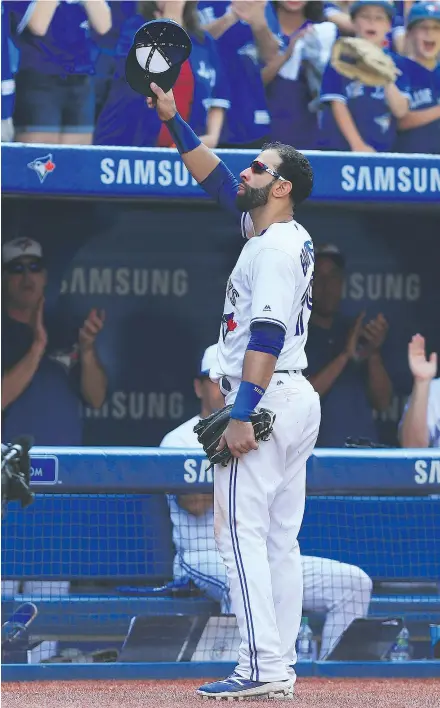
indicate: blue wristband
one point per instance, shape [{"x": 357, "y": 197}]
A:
[
  {"x": 184, "y": 136},
  {"x": 248, "y": 397}
]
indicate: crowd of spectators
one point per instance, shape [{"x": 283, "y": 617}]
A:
[{"x": 258, "y": 70}]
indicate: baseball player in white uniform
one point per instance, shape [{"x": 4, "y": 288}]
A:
[
  {"x": 341, "y": 590},
  {"x": 259, "y": 498}
]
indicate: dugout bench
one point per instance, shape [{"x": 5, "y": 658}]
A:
[{"x": 100, "y": 520}]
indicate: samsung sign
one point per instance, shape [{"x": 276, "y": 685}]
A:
[
  {"x": 44, "y": 469},
  {"x": 389, "y": 178}
]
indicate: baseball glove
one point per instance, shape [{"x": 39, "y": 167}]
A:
[
  {"x": 209, "y": 431},
  {"x": 359, "y": 59}
]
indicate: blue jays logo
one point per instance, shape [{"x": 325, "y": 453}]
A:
[
  {"x": 24, "y": 243},
  {"x": 42, "y": 166},
  {"x": 66, "y": 358},
  {"x": 383, "y": 122},
  {"x": 228, "y": 324}
]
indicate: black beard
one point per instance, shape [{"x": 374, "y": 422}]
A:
[{"x": 253, "y": 197}]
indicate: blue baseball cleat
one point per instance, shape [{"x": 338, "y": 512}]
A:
[{"x": 237, "y": 688}]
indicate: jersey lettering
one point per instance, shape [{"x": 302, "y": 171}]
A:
[
  {"x": 306, "y": 302},
  {"x": 232, "y": 293},
  {"x": 307, "y": 256}
]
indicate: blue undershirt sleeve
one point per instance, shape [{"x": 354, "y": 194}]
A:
[
  {"x": 222, "y": 186},
  {"x": 266, "y": 337}
]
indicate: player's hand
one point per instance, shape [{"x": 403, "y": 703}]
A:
[
  {"x": 422, "y": 369},
  {"x": 93, "y": 324},
  {"x": 239, "y": 437},
  {"x": 40, "y": 334},
  {"x": 353, "y": 337},
  {"x": 374, "y": 334},
  {"x": 163, "y": 103}
]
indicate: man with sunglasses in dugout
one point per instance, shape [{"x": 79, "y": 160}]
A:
[
  {"x": 42, "y": 386},
  {"x": 259, "y": 498}
]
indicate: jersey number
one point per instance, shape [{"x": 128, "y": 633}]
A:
[{"x": 306, "y": 303}]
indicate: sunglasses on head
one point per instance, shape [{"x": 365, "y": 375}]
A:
[
  {"x": 258, "y": 168},
  {"x": 18, "y": 267}
]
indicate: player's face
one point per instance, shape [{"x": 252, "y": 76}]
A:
[
  {"x": 210, "y": 395},
  {"x": 425, "y": 38},
  {"x": 256, "y": 183},
  {"x": 372, "y": 23},
  {"x": 327, "y": 287},
  {"x": 24, "y": 281}
]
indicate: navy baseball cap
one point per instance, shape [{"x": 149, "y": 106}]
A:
[
  {"x": 329, "y": 250},
  {"x": 423, "y": 11},
  {"x": 387, "y": 5},
  {"x": 158, "y": 51}
]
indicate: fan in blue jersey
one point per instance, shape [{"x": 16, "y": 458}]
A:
[
  {"x": 105, "y": 47},
  {"x": 201, "y": 92},
  {"x": 54, "y": 86},
  {"x": 286, "y": 77},
  {"x": 246, "y": 34},
  {"x": 8, "y": 83},
  {"x": 358, "y": 117},
  {"x": 419, "y": 130}
]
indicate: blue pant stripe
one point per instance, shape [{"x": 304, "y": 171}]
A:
[
  {"x": 246, "y": 590},
  {"x": 202, "y": 576},
  {"x": 239, "y": 569}
]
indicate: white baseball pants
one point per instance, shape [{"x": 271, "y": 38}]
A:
[{"x": 258, "y": 510}]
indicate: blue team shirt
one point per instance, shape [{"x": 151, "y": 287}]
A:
[
  {"x": 376, "y": 124},
  {"x": 291, "y": 121},
  {"x": 424, "y": 87},
  {"x": 345, "y": 409},
  {"x": 125, "y": 118},
  {"x": 66, "y": 48},
  {"x": 8, "y": 83},
  {"x": 48, "y": 409},
  {"x": 248, "y": 119}
]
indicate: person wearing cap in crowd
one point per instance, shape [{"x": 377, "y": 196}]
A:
[
  {"x": 355, "y": 116},
  {"x": 339, "y": 14},
  {"x": 55, "y": 100},
  {"x": 420, "y": 424},
  {"x": 247, "y": 34},
  {"x": 419, "y": 130},
  {"x": 201, "y": 92},
  {"x": 340, "y": 590},
  {"x": 41, "y": 385},
  {"x": 345, "y": 365}
]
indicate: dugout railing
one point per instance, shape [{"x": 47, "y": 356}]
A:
[{"x": 101, "y": 521}]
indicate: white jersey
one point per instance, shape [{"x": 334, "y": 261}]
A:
[
  {"x": 190, "y": 533},
  {"x": 271, "y": 282},
  {"x": 434, "y": 413}
]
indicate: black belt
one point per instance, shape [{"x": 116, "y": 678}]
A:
[{"x": 286, "y": 371}]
